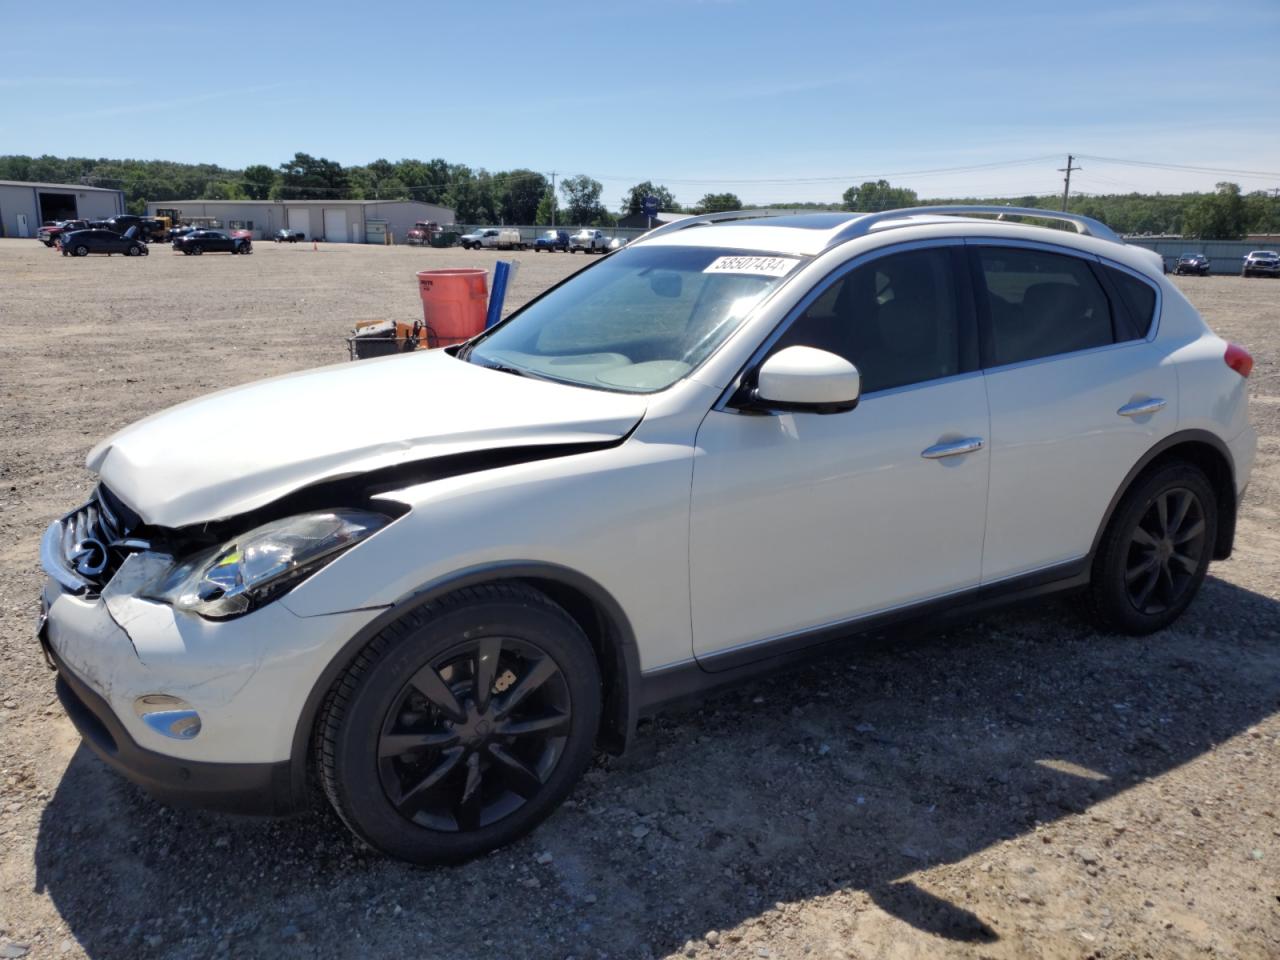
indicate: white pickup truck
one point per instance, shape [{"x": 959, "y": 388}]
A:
[
  {"x": 589, "y": 241},
  {"x": 498, "y": 238}
]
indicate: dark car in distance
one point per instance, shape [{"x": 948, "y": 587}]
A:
[
  {"x": 124, "y": 221},
  {"x": 1193, "y": 263},
  {"x": 211, "y": 241},
  {"x": 551, "y": 241},
  {"x": 285, "y": 235},
  {"x": 81, "y": 243}
]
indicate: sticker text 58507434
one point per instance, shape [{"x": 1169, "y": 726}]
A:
[{"x": 757, "y": 266}]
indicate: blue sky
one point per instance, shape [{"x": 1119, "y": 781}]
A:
[{"x": 773, "y": 101}]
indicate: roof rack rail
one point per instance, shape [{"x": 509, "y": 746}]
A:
[
  {"x": 698, "y": 220},
  {"x": 1083, "y": 225}
]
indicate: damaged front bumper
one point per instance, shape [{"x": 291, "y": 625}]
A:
[{"x": 247, "y": 680}]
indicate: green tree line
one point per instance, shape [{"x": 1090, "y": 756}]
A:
[{"x": 526, "y": 196}]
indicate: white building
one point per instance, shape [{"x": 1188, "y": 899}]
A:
[
  {"x": 337, "y": 221},
  {"x": 25, "y": 206}
]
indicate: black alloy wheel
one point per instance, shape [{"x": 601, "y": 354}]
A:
[
  {"x": 473, "y": 736},
  {"x": 1156, "y": 550},
  {"x": 196, "y": 250},
  {"x": 82, "y": 251},
  {"x": 462, "y": 725},
  {"x": 1165, "y": 551},
  {"x": 135, "y": 251}
]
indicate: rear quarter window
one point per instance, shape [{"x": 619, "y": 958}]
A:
[{"x": 1139, "y": 301}]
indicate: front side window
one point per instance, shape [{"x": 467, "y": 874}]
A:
[
  {"x": 637, "y": 321},
  {"x": 895, "y": 319},
  {"x": 1041, "y": 304}
]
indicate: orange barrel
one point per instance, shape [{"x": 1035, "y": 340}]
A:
[{"x": 453, "y": 304}]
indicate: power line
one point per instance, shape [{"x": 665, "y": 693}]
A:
[{"x": 1261, "y": 174}]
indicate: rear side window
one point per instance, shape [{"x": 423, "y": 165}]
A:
[
  {"x": 895, "y": 319},
  {"x": 1139, "y": 300},
  {"x": 1040, "y": 305}
]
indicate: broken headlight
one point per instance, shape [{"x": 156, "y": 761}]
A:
[{"x": 258, "y": 566}]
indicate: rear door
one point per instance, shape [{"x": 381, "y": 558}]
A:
[{"x": 1079, "y": 390}]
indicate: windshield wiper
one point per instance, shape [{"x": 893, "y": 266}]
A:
[{"x": 501, "y": 367}]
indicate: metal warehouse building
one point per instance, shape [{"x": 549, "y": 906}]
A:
[
  {"x": 337, "y": 221},
  {"x": 25, "y": 206}
]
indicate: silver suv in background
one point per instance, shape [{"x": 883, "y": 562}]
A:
[
  {"x": 589, "y": 241},
  {"x": 1261, "y": 263}
]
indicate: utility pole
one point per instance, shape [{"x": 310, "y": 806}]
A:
[
  {"x": 553, "y": 198},
  {"x": 1066, "y": 181}
]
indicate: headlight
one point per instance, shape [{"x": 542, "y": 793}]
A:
[{"x": 258, "y": 566}]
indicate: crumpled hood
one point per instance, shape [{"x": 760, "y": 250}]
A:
[{"x": 234, "y": 451}]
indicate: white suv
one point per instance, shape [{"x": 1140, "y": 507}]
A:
[
  {"x": 589, "y": 241},
  {"x": 731, "y": 442}
]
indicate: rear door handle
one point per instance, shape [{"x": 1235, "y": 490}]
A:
[
  {"x": 952, "y": 448},
  {"x": 1141, "y": 408}
]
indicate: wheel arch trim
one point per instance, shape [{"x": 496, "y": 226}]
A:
[
  {"x": 622, "y": 675},
  {"x": 1226, "y": 495}
]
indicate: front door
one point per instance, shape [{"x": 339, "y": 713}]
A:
[
  {"x": 802, "y": 521},
  {"x": 23, "y": 230}
]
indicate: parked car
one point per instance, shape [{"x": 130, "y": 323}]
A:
[
  {"x": 81, "y": 243},
  {"x": 422, "y": 232},
  {"x": 1261, "y": 263},
  {"x": 211, "y": 241},
  {"x": 285, "y": 235},
  {"x": 551, "y": 240},
  {"x": 616, "y": 243},
  {"x": 242, "y": 234},
  {"x": 588, "y": 241},
  {"x": 716, "y": 451},
  {"x": 49, "y": 233},
  {"x": 1193, "y": 263},
  {"x": 179, "y": 231},
  {"x": 155, "y": 230},
  {"x": 496, "y": 238},
  {"x": 126, "y": 220}
]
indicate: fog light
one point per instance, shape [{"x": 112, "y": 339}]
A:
[{"x": 169, "y": 716}]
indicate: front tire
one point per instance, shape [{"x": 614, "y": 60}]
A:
[
  {"x": 197, "y": 250},
  {"x": 82, "y": 251},
  {"x": 462, "y": 726},
  {"x": 1156, "y": 550}
]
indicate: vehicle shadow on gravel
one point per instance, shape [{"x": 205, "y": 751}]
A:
[{"x": 847, "y": 775}]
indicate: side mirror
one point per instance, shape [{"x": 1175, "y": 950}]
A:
[{"x": 807, "y": 380}]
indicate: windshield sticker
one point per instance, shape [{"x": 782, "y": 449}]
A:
[{"x": 756, "y": 266}]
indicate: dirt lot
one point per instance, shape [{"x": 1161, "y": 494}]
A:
[{"x": 1024, "y": 787}]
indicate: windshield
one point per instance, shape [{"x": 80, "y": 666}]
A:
[{"x": 638, "y": 321}]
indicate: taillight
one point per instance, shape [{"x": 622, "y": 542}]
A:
[{"x": 1238, "y": 359}]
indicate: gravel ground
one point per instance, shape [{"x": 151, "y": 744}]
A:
[{"x": 1022, "y": 787}]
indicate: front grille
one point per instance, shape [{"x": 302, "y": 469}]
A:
[{"x": 94, "y": 539}]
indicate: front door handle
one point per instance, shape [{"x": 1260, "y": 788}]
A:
[
  {"x": 952, "y": 448},
  {"x": 1141, "y": 408}
]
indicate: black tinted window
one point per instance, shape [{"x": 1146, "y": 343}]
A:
[
  {"x": 1041, "y": 304},
  {"x": 1139, "y": 299},
  {"x": 895, "y": 319}
]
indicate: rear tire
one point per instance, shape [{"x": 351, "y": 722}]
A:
[
  {"x": 461, "y": 726},
  {"x": 1156, "y": 550}
]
